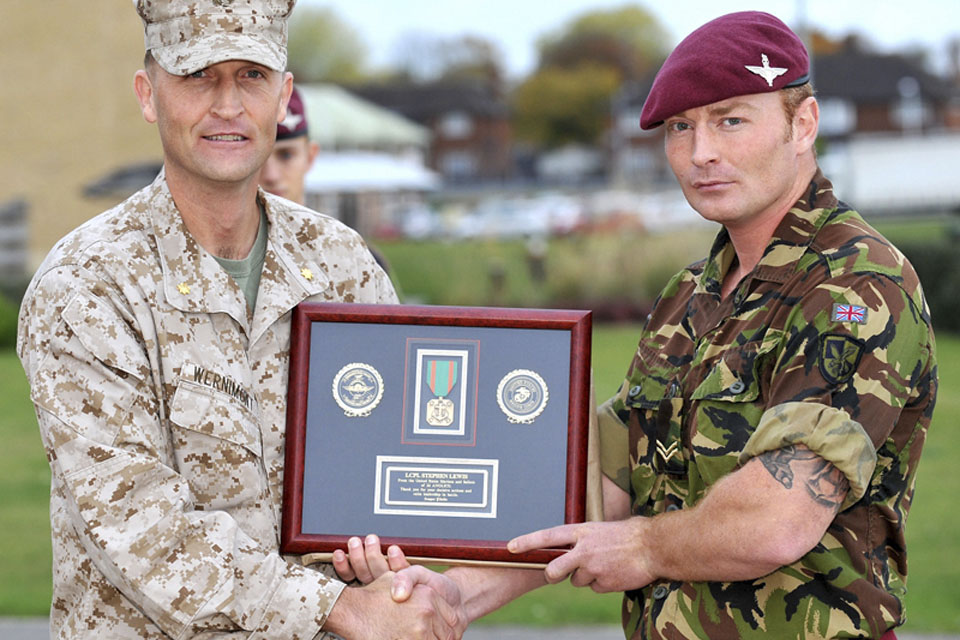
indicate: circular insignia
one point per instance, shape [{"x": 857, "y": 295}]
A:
[
  {"x": 357, "y": 388},
  {"x": 522, "y": 395}
]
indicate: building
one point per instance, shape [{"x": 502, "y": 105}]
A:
[
  {"x": 69, "y": 112},
  {"x": 469, "y": 121},
  {"x": 866, "y": 93},
  {"x": 370, "y": 170}
]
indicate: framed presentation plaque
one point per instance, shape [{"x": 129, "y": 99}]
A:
[{"x": 445, "y": 430}]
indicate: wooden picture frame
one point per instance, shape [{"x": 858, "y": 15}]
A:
[{"x": 445, "y": 430}]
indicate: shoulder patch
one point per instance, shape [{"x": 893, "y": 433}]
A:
[
  {"x": 849, "y": 313},
  {"x": 839, "y": 356}
]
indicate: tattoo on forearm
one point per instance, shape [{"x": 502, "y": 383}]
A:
[
  {"x": 778, "y": 464},
  {"x": 828, "y": 486},
  {"x": 824, "y": 482}
]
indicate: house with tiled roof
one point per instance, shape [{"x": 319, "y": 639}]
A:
[
  {"x": 862, "y": 92},
  {"x": 469, "y": 121}
]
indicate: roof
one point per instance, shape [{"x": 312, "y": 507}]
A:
[
  {"x": 122, "y": 182},
  {"x": 423, "y": 102},
  {"x": 340, "y": 120},
  {"x": 853, "y": 74},
  {"x": 871, "y": 77},
  {"x": 367, "y": 171}
]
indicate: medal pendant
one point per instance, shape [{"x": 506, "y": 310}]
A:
[{"x": 440, "y": 412}]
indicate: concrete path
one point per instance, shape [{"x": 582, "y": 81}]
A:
[{"x": 36, "y": 629}]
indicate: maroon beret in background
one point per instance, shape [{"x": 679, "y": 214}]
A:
[
  {"x": 295, "y": 123},
  {"x": 734, "y": 55}
]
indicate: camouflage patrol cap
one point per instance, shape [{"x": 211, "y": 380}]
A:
[
  {"x": 734, "y": 55},
  {"x": 185, "y": 36}
]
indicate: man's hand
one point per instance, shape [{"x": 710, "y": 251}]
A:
[
  {"x": 765, "y": 515},
  {"x": 364, "y": 562},
  {"x": 423, "y": 612},
  {"x": 606, "y": 556},
  {"x": 407, "y": 581}
]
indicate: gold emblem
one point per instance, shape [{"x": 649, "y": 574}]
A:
[
  {"x": 183, "y": 288},
  {"x": 667, "y": 452},
  {"x": 306, "y": 273}
]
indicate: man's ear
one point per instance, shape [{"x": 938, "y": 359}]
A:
[
  {"x": 143, "y": 87},
  {"x": 806, "y": 123},
  {"x": 285, "y": 94}
]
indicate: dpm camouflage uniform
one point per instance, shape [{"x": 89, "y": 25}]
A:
[
  {"x": 161, "y": 402},
  {"x": 827, "y": 343}
]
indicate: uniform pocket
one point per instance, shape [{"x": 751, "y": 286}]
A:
[
  {"x": 728, "y": 404},
  {"x": 656, "y": 406},
  {"x": 217, "y": 446}
]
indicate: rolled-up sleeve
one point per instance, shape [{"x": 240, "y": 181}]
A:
[
  {"x": 828, "y": 432},
  {"x": 614, "y": 440},
  {"x": 854, "y": 355}
]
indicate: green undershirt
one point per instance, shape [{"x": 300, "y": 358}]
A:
[{"x": 247, "y": 272}]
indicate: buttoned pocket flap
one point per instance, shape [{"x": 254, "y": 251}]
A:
[{"x": 204, "y": 410}]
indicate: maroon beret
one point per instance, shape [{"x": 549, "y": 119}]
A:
[
  {"x": 733, "y": 55},
  {"x": 295, "y": 122}
]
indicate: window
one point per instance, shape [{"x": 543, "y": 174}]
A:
[
  {"x": 837, "y": 116},
  {"x": 458, "y": 164},
  {"x": 910, "y": 113},
  {"x": 456, "y": 125}
]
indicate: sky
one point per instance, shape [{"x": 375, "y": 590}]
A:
[{"x": 516, "y": 24}]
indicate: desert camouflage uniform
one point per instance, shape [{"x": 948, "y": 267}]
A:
[
  {"x": 188, "y": 35},
  {"x": 161, "y": 402},
  {"x": 716, "y": 382}
]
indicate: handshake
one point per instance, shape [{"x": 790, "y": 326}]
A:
[
  {"x": 415, "y": 602},
  {"x": 398, "y": 600}
]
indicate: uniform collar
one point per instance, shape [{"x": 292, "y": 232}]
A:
[
  {"x": 194, "y": 282},
  {"x": 291, "y": 272},
  {"x": 790, "y": 240}
]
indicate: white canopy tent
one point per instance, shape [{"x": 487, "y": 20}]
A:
[
  {"x": 340, "y": 120},
  {"x": 361, "y": 171}
]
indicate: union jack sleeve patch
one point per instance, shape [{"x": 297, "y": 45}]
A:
[{"x": 849, "y": 313}]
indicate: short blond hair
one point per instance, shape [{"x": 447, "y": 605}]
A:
[{"x": 793, "y": 97}]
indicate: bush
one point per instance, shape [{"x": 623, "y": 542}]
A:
[
  {"x": 8, "y": 323},
  {"x": 616, "y": 273},
  {"x": 938, "y": 266}
]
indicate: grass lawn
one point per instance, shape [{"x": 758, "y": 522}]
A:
[
  {"x": 25, "y": 490},
  {"x": 934, "y": 545}
]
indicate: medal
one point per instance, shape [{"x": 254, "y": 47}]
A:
[
  {"x": 522, "y": 395},
  {"x": 441, "y": 378},
  {"x": 357, "y": 388}
]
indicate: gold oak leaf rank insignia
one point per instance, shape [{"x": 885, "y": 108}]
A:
[{"x": 839, "y": 357}]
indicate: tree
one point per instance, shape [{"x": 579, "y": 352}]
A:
[
  {"x": 628, "y": 39},
  {"x": 324, "y": 48},
  {"x": 555, "y": 107},
  {"x": 425, "y": 56},
  {"x": 567, "y": 100}
]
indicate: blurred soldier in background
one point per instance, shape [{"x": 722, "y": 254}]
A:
[{"x": 293, "y": 154}]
